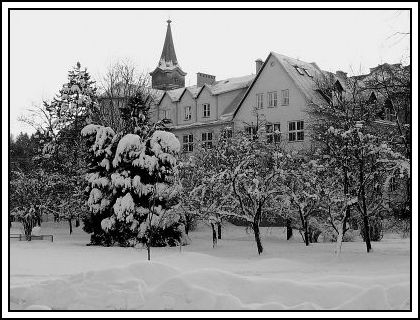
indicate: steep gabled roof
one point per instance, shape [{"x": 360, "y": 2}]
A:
[
  {"x": 303, "y": 74},
  {"x": 168, "y": 60}
]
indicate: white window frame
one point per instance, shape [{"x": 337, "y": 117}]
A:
[
  {"x": 300, "y": 70},
  {"x": 296, "y": 131},
  {"x": 272, "y": 99},
  {"x": 165, "y": 114},
  {"x": 251, "y": 131},
  {"x": 206, "y": 110},
  {"x": 285, "y": 100},
  {"x": 272, "y": 136},
  {"x": 259, "y": 100},
  {"x": 188, "y": 142},
  {"x": 187, "y": 115},
  {"x": 207, "y": 139}
]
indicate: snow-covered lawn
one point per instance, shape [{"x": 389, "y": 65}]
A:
[{"x": 67, "y": 274}]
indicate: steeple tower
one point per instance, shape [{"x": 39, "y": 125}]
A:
[{"x": 168, "y": 74}]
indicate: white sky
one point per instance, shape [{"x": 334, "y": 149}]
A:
[{"x": 44, "y": 45}]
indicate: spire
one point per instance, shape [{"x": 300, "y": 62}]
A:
[{"x": 168, "y": 56}]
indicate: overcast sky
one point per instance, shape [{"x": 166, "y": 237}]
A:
[{"x": 44, "y": 45}]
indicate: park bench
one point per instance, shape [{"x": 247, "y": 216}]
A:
[{"x": 32, "y": 237}]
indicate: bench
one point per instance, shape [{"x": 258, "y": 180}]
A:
[{"x": 32, "y": 237}]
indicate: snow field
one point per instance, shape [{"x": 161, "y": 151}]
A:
[{"x": 68, "y": 275}]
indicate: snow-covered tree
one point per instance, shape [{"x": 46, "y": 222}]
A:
[
  {"x": 304, "y": 188},
  {"x": 132, "y": 180},
  {"x": 249, "y": 169}
]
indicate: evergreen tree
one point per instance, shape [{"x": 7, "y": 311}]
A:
[{"x": 132, "y": 179}]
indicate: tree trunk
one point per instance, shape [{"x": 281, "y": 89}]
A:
[
  {"x": 256, "y": 228},
  {"x": 148, "y": 250},
  {"x": 219, "y": 230},
  {"x": 289, "y": 230},
  {"x": 340, "y": 237},
  {"x": 306, "y": 234},
  {"x": 70, "y": 226},
  {"x": 77, "y": 222},
  {"x": 364, "y": 207},
  {"x": 304, "y": 222},
  {"x": 214, "y": 235}
]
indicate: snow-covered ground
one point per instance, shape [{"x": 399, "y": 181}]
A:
[{"x": 67, "y": 274}]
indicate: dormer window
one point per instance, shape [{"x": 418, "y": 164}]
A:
[
  {"x": 372, "y": 98},
  {"x": 308, "y": 73},
  {"x": 206, "y": 110},
  {"x": 187, "y": 113},
  {"x": 300, "y": 70}
]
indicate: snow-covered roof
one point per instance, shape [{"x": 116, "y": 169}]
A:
[
  {"x": 219, "y": 87},
  {"x": 231, "y": 84},
  {"x": 302, "y": 73},
  {"x": 175, "y": 94},
  {"x": 230, "y": 109},
  {"x": 199, "y": 124}
]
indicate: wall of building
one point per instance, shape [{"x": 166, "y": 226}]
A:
[
  {"x": 274, "y": 78},
  {"x": 206, "y": 97},
  {"x": 186, "y": 100}
]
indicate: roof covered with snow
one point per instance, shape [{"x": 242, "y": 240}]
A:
[
  {"x": 219, "y": 87},
  {"x": 303, "y": 75}
]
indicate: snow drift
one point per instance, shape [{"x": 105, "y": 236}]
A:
[{"x": 158, "y": 286}]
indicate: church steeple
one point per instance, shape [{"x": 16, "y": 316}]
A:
[{"x": 168, "y": 74}]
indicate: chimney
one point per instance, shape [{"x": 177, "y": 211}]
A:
[
  {"x": 258, "y": 65},
  {"x": 203, "y": 79},
  {"x": 341, "y": 74}
]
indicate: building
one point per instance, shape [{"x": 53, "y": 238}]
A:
[
  {"x": 168, "y": 75},
  {"x": 276, "y": 100}
]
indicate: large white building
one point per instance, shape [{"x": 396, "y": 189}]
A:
[{"x": 275, "y": 100}]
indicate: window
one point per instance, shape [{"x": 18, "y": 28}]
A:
[
  {"x": 260, "y": 100},
  {"x": 273, "y": 132},
  {"x": 272, "y": 99},
  {"x": 296, "y": 130},
  {"x": 389, "y": 111},
  {"x": 307, "y": 73},
  {"x": 372, "y": 98},
  {"x": 207, "y": 139},
  {"x": 227, "y": 133},
  {"x": 187, "y": 113},
  {"x": 299, "y": 70},
  {"x": 165, "y": 114},
  {"x": 285, "y": 97},
  {"x": 188, "y": 143},
  {"x": 251, "y": 131},
  {"x": 393, "y": 184},
  {"x": 206, "y": 110}
]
